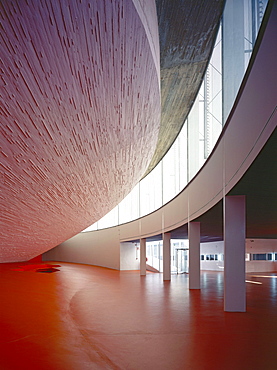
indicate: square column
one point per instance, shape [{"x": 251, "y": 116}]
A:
[
  {"x": 234, "y": 254},
  {"x": 166, "y": 257},
  {"x": 194, "y": 255},
  {"x": 142, "y": 250}
]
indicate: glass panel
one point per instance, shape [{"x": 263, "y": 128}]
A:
[
  {"x": 154, "y": 254},
  {"x": 241, "y": 21},
  {"x": 259, "y": 256},
  {"x": 195, "y": 139},
  {"x": 171, "y": 174},
  {"x": 213, "y": 116},
  {"x": 111, "y": 219},
  {"x": 151, "y": 191},
  {"x": 91, "y": 227},
  {"x": 182, "y": 261},
  {"x": 183, "y": 160},
  {"x": 253, "y": 15},
  {"x": 129, "y": 207}
]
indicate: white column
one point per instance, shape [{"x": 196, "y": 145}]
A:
[
  {"x": 234, "y": 254},
  {"x": 142, "y": 250},
  {"x": 166, "y": 257},
  {"x": 194, "y": 255}
]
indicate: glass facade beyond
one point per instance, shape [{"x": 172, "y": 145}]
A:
[
  {"x": 232, "y": 51},
  {"x": 178, "y": 254}
]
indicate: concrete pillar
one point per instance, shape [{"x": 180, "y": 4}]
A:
[
  {"x": 166, "y": 257},
  {"x": 194, "y": 255},
  {"x": 234, "y": 254},
  {"x": 142, "y": 256}
]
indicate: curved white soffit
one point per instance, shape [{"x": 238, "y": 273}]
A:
[
  {"x": 80, "y": 116},
  {"x": 250, "y": 124}
]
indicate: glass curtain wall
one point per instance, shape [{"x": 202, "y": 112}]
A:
[
  {"x": 232, "y": 51},
  {"x": 240, "y": 25}
]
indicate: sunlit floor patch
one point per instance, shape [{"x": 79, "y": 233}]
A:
[
  {"x": 265, "y": 276},
  {"x": 252, "y": 282}
]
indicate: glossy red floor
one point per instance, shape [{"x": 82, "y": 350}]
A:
[{"x": 84, "y": 317}]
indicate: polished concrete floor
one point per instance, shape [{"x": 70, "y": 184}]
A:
[{"x": 84, "y": 317}]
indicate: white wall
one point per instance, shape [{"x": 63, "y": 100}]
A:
[
  {"x": 99, "y": 248},
  {"x": 129, "y": 256},
  {"x": 212, "y": 248},
  {"x": 261, "y": 246},
  {"x": 251, "y": 246}
]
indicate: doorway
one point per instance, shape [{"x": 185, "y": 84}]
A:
[{"x": 181, "y": 258}]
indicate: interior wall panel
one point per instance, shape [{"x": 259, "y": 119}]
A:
[{"x": 100, "y": 249}]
